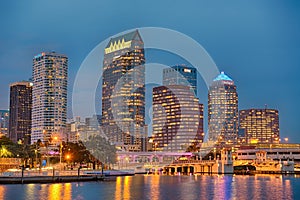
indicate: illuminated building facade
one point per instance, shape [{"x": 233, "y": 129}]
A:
[
  {"x": 223, "y": 110},
  {"x": 123, "y": 92},
  {"x": 4, "y": 122},
  {"x": 259, "y": 125},
  {"x": 20, "y": 111},
  {"x": 181, "y": 75},
  {"x": 49, "y": 95},
  {"x": 177, "y": 118}
]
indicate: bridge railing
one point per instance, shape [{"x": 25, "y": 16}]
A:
[{"x": 193, "y": 161}]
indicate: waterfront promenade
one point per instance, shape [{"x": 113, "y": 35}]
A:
[
  {"x": 56, "y": 176},
  {"x": 46, "y": 176}
]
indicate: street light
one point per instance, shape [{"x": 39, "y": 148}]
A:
[
  {"x": 199, "y": 152},
  {"x": 60, "y": 154},
  {"x": 118, "y": 159},
  {"x": 68, "y": 157},
  {"x": 55, "y": 138},
  {"x": 215, "y": 153},
  {"x": 155, "y": 146},
  {"x": 286, "y": 139},
  {"x": 35, "y": 151},
  {"x": 126, "y": 162}
]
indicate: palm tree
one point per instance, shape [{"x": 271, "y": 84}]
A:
[{"x": 4, "y": 153}]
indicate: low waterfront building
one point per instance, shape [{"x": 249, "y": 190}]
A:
[
  {"x": 273, "y": 152},
  {"x": 259, "y": 126}
]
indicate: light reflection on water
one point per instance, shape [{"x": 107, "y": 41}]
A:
[
  {"x": 2, "y": 191},
  {"x": 156, "y": 187}
]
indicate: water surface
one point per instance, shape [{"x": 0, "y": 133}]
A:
[{"x": 157, "y": 187}]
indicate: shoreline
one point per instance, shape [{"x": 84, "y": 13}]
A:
[
  {"x": 50, "y": 179},
  {"x": 62, "y": 178},
  {"x": 95, "y": 177}
]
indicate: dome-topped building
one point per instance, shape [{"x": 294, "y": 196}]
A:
[
  {"x": 223, "y": 110},
  {"x": 222, "y": 77}
]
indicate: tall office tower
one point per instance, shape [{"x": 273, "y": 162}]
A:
[
  {"x": 49, "y": 95},
  {"x": 181, "y": 75},
  {"x": 123, "y": 92},
  {"x": 20, "y": 111},
  {"x": 4, "y": 122},
  {"x": 177, "y": 118},
  {"x": 259, "y": 125},
  {"x": 223, "y": 110}
]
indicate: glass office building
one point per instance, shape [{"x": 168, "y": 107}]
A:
[
  {"x": 181, "y": 75},
  {"x": 177, "y": 119},
  {"x": 223, "y": 110},
  {"x": 123, "y": 92},
  {"x": 4, "y": 122},
  {"x": 20, "y": 106}
]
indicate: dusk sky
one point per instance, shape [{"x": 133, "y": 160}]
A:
[{"x": 256, "y": 43}]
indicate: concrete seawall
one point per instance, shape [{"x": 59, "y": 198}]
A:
[
  {"x": 51, "y": 179},
  {"x": 55, "y": 176}
]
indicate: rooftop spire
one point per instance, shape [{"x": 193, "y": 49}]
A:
[{"x": 222, "y": 77}]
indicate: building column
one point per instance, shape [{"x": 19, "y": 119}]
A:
[{"x": 160, "y": 159}]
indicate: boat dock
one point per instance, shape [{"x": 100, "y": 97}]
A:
[{"x": 56, "y": 176}]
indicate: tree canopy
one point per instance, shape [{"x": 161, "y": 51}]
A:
[{"x": 101, "y": 149}]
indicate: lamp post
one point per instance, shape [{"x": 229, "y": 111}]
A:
[
  {"x": 60, "y": 154},
  {"x": 35, "y": 151},
  {"x": 60, "y": 150},
  {"x": 215, "y": 153},
  {"x": 118, "y": 160},
  {"x": 155, "y": 146},
  {"x": 126, "y": 162},
  {"x": 200, "y": 155},
  {"x": 68, "y": 156}
]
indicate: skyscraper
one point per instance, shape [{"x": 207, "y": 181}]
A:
[
  {"x": 4, "y": 122},
  {"x": 123, "y": 91},
  {"x": 20, "y": 111},
  {"x": 49, "y": 95},
  {"x": 181, "y": 75},
  {"x": 222, "y": 110},
  {"x": 177, "y": 118},
  {"x": 259, "y": 125}
]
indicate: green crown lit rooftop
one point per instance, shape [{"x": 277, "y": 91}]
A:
[
  {"x": 222, "y": 77},
  {"x": 127, "y": 37}
]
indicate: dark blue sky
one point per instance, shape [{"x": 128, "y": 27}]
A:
[{"x": 257, "y": 43}]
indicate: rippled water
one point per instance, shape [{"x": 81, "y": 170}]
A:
[{"x": 164, "y": 187}]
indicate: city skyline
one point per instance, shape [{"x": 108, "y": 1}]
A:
[
  {"x": 254, "y": 43},
  {"x": 150, "y": 99}
]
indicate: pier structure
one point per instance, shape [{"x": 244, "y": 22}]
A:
[
  {"x": 265, "y": 164},
  {"x": 223, "y": 165},
  {"x": 175, "y": 162}
]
